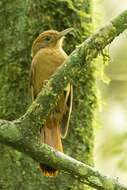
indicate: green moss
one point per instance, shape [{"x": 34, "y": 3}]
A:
[{"x": 121, "y": 19}]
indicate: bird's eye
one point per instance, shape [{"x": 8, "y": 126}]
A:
[{"x": 47, "y": 39}]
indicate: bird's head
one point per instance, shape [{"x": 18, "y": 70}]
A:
[{"x": 49, "y": 38}]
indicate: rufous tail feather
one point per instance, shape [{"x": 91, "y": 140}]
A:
[{"x": 51, "y": 135}]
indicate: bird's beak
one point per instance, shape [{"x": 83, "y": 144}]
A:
[{"x": 64, "y": 32}]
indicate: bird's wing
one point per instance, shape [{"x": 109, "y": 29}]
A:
[{"x": 66, "y": 110}]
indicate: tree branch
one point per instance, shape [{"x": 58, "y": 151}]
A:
[
  {"x": 23, "y": 134},
  {"x": 45, "y": 154}
]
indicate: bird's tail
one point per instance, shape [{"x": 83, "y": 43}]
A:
[
  {"x": 47, "y": 170},
  {"x": 51, "y": 136}
]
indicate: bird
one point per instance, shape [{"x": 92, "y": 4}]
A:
[{"x": 47, "y": 56}]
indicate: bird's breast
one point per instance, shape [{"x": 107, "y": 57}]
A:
[{"x": 45, "y": 64}]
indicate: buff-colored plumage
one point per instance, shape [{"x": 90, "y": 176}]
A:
[{"x": 48, "y": 55}]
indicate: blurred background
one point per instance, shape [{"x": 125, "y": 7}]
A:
[{"x": 111, "y": 135}]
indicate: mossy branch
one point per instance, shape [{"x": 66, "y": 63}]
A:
[
  {"x": 23, "y": 134},
  {"x": 43, "y": 153}
]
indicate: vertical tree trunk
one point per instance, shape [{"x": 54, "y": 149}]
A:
[{"x": 21, "y": 21}]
